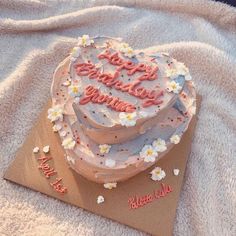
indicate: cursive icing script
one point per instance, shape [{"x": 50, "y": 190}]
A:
[
  {"x": 150, "y": 97},
  {"x": 114, "y": 59},
  {"x": 93, "y": 95},
  {"x": 49, "y": 172},
  {"x": 140, "y": 201}
]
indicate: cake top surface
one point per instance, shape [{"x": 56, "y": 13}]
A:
[{"x": 114, "y": 85}]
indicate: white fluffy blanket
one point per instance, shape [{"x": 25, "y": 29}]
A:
[{"x": 36, "y": 35}]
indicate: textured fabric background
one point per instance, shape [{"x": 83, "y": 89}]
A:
[{"x": 36, "y": 35}]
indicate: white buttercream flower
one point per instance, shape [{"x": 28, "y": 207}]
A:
[
  {"x": 85, "y": 41},
  {"x": 128, "y": 119},
  {"x": 46, "y": 149},
  {"x": 70, "y": 159},
  {"x": 179, "y": 69},
  {"x": 123, "y": 47},
  {"x": 68, "y": 143},
  {"x": 157, "y": 174},
  {"x": 148, "y": 153},
  {"x": 173, "y": 87},
  {"x": 74, "y": 90},
  {"x": 110, "y": 163},
  {"x": 176, "y": 172},
  {"x": 55, "y": 113},
  {"x": 110, "y": 185},
  {"x": 175, "y": 139},
  {"x": 171, "y": 73},
  {"x": 36, "y": 150},
  {"x": 100, "y": 199},
  {"x": 159, "y": 145},
  {"x": 75, "y": 53},
  {"x": 127, "y": 50},
  {"x": 56, "y": 127},
  {"x": 104, "y": 148}
]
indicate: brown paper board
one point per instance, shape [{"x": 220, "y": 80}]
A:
[{"x": 156, "y": 218}]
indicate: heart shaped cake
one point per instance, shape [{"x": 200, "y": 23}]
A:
[{"x": 119, "y": 110}]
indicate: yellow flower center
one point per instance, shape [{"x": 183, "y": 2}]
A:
[
  {"x": 75, "y": 90},
  {"x": 55, "y": 113},
  {"x": 130, "y": 51},
  {"x": 158, "y": 172},
  {"x": 173, "y": 86},
  {"x": 129, "y": 117},
  {"x": 149, "y": 152},
  {"x": 83, "y": 40}
]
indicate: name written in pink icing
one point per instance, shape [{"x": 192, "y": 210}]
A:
[
  {"x": 49, "y": 172},
  {"x": 140, "y": 201},
  {"x": 93, "y": 95}
]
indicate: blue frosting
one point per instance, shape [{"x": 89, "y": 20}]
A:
[{"x": 180, "y": 80}]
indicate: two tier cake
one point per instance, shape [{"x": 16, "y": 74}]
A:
[{"x": 119, "y": 110}]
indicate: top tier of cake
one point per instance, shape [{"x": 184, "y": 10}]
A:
[{"x": 120, "y": 93}]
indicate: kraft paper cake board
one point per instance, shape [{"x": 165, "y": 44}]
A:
[{"x": 156, "y": 217}]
